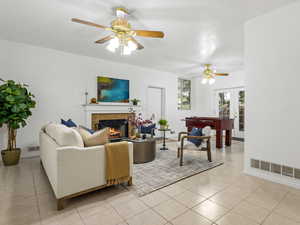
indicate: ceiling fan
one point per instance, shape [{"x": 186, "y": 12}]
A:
[
  {"x": 209, "y": 74},
  {"x": 122, "y": 34}
]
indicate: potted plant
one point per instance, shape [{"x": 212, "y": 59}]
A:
[
  {"x": 15, "y": 105},
  {"x": 135, "y": 101},
  {"x": 163, "y": 124}
]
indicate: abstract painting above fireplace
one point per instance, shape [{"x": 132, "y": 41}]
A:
[{"x": 112, "y": 90}]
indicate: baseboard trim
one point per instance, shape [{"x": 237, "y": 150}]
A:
[
  {"x": 238, "y": 139},
  {"x": 292, "y": 182}
]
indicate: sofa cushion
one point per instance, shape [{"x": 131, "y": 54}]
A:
[
  {"x": 64, "y": 136},
  {"x": 87, "y": 129},
  {"x": 97, "y": 138}
]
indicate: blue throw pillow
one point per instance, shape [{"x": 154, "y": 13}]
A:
[
  {"x": 68, "y": 123},
  {"x": 196, "y": 132},
  {"x": 148, "y": 129}
]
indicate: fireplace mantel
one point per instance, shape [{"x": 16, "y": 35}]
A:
[{"x": 90, "y": 109}]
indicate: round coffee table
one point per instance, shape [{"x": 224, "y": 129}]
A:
[{"x": 144, "y": 150}]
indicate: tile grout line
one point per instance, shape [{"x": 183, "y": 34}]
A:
[
  {"x": 188, "y": 208},
  {"x": 229, "y": 210},
  {"x": 124, "y": 219},
  {"x": 36, "y": 194},
  {"x": 273, "y": 210},
  {"x": 82, "y": 220},
  {"x": 206, "y": 198}
]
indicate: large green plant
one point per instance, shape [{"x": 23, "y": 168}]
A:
[{"x": 15, "y": 105}]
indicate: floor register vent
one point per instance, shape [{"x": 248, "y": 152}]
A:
[{"x": 276, "y": 168}]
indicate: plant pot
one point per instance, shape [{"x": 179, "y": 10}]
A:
[
  {"x": 163, "y": 127},
  {"x": 12, "y": 157}
]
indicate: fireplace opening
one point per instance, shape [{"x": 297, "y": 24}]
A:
[{"x": 118, "y": 129}]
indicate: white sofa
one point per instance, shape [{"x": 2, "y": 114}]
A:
[{"x": 72, "y": 169}]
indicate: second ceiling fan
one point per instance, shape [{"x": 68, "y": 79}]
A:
[
  {"x": 122, "y": 34},
  {"x": 209, "y": 74}
]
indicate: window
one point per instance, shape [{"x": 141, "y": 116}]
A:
[
  {"x": 242, "y": 110},
  {"x": 224, "y": 104},
  {"x": 184, "y": 94}
]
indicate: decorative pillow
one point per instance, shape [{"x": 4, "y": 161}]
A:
[
  {"x": 68, "y": 123},
  {"x": 87, "y": 129},
  {"x": 98, "y": 138},
  {"x": 64, "y": 136},
  {"x": 196, "y": 132},
  {"x": 147, "y": 129}
]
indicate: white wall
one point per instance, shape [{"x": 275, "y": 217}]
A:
[
  {"x": 59, "y": 80},
  {"x": 272, "y": 91}
]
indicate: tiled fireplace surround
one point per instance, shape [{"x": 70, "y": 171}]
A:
[{"x": 103, "y": 112}]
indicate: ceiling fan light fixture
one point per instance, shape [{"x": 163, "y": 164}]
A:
[
  {"x": 126, "y": 50},
  {"x": 113, "y": 44},
  {"x": 211, "y": 81},
  {"x": 122, "y": 37},
  {"x": 121, "y": 12},
  {"x": 131, "y": 45},
  {"x": 111, "y": 48},
  {"x": 204, "y": 80}
]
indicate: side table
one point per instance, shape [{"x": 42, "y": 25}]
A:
[{"x": 164, "y": 139}]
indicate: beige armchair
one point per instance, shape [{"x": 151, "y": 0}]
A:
[{"x": 205, "y": 145}]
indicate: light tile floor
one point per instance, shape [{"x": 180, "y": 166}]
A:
[{"x": 221, "y": 196}]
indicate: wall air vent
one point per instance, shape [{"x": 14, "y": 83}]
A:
[
  {"x": 33, "y": 148},
  {"x": 288, "y": 171},
  {"x": 297, "y": 173},
  {"x": 265, "y": 165},
  {"x": 255, "y": 163},
  {"x": 275, "y": 168}
]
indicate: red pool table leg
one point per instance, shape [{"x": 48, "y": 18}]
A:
[
  {"x": 219, "y": 139},
  {"x": 228, "y": 137}
]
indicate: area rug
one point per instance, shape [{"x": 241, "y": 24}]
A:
[{"x": 165, "y": 170}]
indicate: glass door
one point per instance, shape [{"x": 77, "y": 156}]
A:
[
  {"x": 230, "y": 103},
  {"x": 240, "y": 120},
  {"x": 224, "y": 104}
]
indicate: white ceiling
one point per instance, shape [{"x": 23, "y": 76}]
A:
[{"x": 196, "y": 31}]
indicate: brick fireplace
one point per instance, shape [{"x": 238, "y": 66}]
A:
[{"x": 119, "y": 124}]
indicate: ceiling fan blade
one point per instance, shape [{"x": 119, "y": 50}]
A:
[
  {"x": 105, "y": 39},
  {"x": 139, "y": 46},
  {"x": 88, "y": 23},
  {"x": 222, "y": 74},
  {"x": 148, "y": 33}
]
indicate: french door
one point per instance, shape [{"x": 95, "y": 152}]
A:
[{"x": 230, "y": 103}]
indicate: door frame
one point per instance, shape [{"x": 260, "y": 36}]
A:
[
  {"x": 234, "y": 107},
  {"x": 163, "y": 99}
]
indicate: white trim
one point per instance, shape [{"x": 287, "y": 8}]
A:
[
  {"x": 235, "y": 87},
  {"x": 108, "y": 103},
  {"x": 289, "y": 181},
  {"x": 106, "y": 108},
  {"x": 163, "y": 99}
]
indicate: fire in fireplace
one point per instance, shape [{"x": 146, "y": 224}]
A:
[{"x": 117, "y": 128}]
